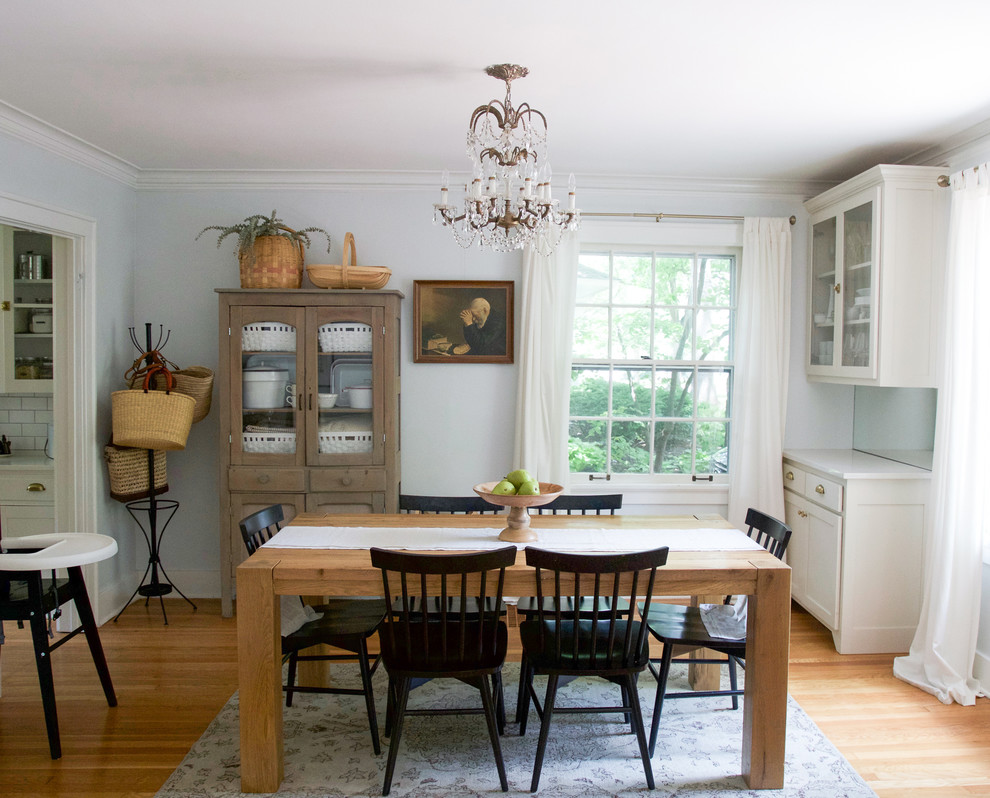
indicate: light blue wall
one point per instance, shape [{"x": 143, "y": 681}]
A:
[{"x": 30, "y": 173}]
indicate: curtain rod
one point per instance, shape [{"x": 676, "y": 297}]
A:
[{"x": 657, "y": 217}]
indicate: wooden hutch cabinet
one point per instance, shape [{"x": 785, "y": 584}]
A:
[{"x": 282, "y": 355}]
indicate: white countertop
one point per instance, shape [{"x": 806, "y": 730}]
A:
[
  {"x": 853, "y": 464},
  {"x": 32, "y": 460}
]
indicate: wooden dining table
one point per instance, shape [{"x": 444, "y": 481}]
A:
[{"x": 273, "y": 571}]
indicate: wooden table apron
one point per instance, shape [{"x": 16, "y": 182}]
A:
[{"x": 273, "y": 572}]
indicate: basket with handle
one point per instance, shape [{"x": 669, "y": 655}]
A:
[
  {"x": 128, "y": 471},
  {"x": 194, "y": 381},
  {"x": 348, "y": 274},
  {"x": 272, "y": 262},
  {"x": 150, "y": 419}
]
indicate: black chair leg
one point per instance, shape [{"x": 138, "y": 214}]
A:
[
  {"x": 668, "y": 653},
  {"x": 499, "y": 697},
  {"x": 291, "y": 682},
  {"x": 369, "y": 694},
  {"x": 637, "y": 721},
  {"x": 77, "y": 589},
  {"x": 733, "y": 681},
  {"x": 544, "y": 730},
  {"x": 521, "y": 697},
  {"x": 488, "y": 701},
  {"x": 398, "y": 711},
  {"x": 42, "y": 656},
  {"x": 525, "y": 687}
]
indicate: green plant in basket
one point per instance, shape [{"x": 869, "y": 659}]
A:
[
  {"x": 270, "y": 253},
  {"x": 261, "y": 225}
]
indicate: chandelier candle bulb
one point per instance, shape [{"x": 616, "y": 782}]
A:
[
  {"x": 444, "y": 183},
  {"x": 571, "y": 191}
]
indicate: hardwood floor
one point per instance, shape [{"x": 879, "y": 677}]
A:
[{"x": 172, "y": 680}]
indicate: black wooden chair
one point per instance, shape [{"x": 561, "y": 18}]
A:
[
  {"x": 347, "y": 623},
  {"x": 682, "y": 630},
  {"x": 27, "y": 596},
  {"x": 597, "y": 504},
  {"x": 605, "y": 643},
  {"x": 445, "y": 504},
  {"x": 439, "y": 643},
  {"x": 594, "y": 504}
]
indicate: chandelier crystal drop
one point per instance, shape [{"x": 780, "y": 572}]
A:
[{"x": 509, "y": 201}]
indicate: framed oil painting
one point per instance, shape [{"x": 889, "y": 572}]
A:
[{"x": 463, "y": 321}]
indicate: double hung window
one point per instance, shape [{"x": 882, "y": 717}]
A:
[{"x": 652, "y": 364}]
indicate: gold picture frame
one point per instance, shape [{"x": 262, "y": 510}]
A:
[{"x": 463, "y": 321}]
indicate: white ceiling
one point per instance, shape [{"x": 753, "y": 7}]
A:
[{"x": 766, "y": 90}]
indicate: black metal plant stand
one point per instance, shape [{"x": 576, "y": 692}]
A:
[{"x": 152, "y": 506}]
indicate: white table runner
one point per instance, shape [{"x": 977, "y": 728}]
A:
[{"x": 473, "y": 539}]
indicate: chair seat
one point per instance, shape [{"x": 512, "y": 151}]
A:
[
  {"x": 345, "y": 622},
  {"x": 16, "y": 605},
  {"x": 684, "y": 626},
  {"x": 538, "y": 642},
  {"x": 527, "y": 605},
  {"x": 437, "y": 649},
  {"x": 453, "y": 606}
]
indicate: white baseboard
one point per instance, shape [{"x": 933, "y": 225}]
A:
[
  {"x": 981, "y": 671},
  {"x": 194, "y": 584}
]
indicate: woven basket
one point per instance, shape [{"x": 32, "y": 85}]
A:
[
  {"x": 348, "y": 275},
  {"x": 345, "y": 336},
  {"x": 149, "y": 419},
  {"x": 128, "y": 470},
  {"x": 272, "y": 262},
  {"x": 195, "y": 381}
]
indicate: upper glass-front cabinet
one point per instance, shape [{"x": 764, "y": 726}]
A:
[
  {"x": 876, "y": 260},
  {"x": 27, "y": 322},
  {"x": 843, "y": 333},
  {"x": 304, "y": 380}
]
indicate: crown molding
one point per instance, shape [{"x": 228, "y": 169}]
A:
[
  {"x": 967, "y": 148},
  {"x": 236, "y": 179},
  {"x": 21, "y": 125}
]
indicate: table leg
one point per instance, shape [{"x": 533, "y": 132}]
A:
[
  {"x": 765, "y": 705},
  {"x": 704, "y": 676},
  {"x": 259, "y": 675}
]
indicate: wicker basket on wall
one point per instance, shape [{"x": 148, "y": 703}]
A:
[
  {"x": 272, "y": 262},
  {"x": 194, "y": 381},
  {"x": 128, "y": 471}
]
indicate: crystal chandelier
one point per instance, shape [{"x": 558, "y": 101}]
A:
[{"x": 509, "y": 202}]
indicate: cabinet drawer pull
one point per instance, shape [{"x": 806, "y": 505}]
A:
[
  {"x": 789, "y": 476},
  {"x": 264, "y": 479},
  {"x": 345, "y": 481},
  {"x": 820, "y": 489},
  {"x": 802, "y": 513},
  {"x": 36, "y": 487},
  {"x": 838, "y": 287}
]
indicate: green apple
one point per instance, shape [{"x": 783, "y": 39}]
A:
[
  {"x": 504, "y": 488},
  {"x": 519, "y": 476},
  {"x": 531, "y": 488}
]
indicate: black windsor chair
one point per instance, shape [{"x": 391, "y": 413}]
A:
[
  {"x": 440, "y": 643},
  {"x": 346, "y": 623},
  {"x": 682, "y": 630},
  {"x": 602, "y": 642}
]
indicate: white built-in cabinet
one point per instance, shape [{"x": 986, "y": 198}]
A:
[
  {"x": 27, "y": 495},
  {"x": 876, "y": 261},
  {"x": 858, "y": 526},
  {"x": 27, "y": 349}
]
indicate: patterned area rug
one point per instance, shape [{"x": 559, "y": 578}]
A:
[{"x": 328, "y": 749}]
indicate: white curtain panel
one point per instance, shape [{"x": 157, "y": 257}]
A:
[
  {"x": 944, "y": 647},
  {"x": 762, "y": 351},
  {"x": 544, "y": 335}
]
